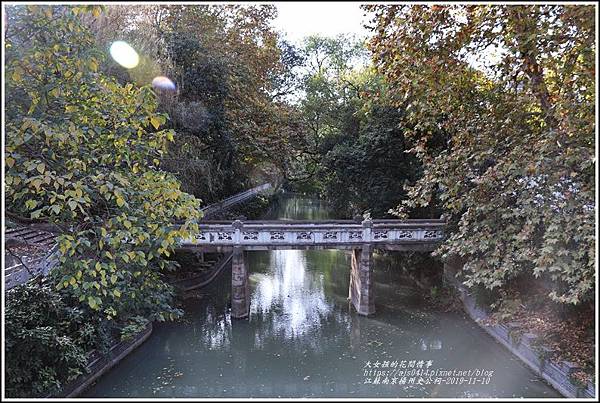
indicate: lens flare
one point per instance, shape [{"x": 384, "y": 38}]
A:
[
  {"x": 163, "y": 83},
  {"x": 124, "y": 54}
]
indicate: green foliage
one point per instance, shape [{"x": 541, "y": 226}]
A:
[
  {"x": 367, "y": 171},
  {"x": 83, "y": 152},
  {"x": 136, "y": 325},
  {"x": 354, "y": 149},
  {"x": 326, "y": 106},
  {"x": 47, "y": 340},
  {"x": 516, "y": 174}
]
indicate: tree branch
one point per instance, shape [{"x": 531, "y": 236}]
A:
[{"x": 38, "y": 224}]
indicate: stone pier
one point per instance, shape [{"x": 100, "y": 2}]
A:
[
  {"x": 361, "y": 280},
  {"x": 240, "y": 294}
]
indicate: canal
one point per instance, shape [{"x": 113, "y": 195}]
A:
[{"x": 303, "y": 340}]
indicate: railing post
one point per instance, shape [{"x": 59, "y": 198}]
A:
[
  {"x": 367, "y": 229},
  {"x": 237, "y": 226}
]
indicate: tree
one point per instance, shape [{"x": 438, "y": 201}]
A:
[
  {"x": 324, "y": 104},
  {"x": 516, "y": 176},
  {"x": 233, "y": 75},
  {"x": 366, "y": 171},
  {"x": 83, "y": 153},
  {"x": 227, "y": 63},
  {"x": 353, "y": 151}
]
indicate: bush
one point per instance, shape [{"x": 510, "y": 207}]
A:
[
  {"x": 47, "y": 340},
  {"x": 136, "y": 325}
]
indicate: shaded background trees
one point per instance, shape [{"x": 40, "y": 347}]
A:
[
  {"x": 354, "y": 150},
  {"x": 232, "y": 71}
]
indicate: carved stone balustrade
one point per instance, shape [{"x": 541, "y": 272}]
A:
[{"x": 338, "y": 234}]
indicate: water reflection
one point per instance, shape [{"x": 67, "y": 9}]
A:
[
  {"x": 427, "y": 344},
  {"x": 293, "y": 302}
]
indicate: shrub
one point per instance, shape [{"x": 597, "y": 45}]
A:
[{"x": 46, "y": 340}]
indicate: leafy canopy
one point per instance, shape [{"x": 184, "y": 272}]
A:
[
  {"x": 83, "y": 152},
  {"x": 516, "y": 176}
]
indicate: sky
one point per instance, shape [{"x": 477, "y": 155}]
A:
[{"x": 300, "y": 19}]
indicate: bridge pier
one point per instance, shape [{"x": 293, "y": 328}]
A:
[
  {"x": 361, "y": 280},
  {"x": 240, "y": 294}
]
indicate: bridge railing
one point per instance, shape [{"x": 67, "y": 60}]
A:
[
  {"x": 235, "y": 199},
  {"x": 332, "y": 232}
]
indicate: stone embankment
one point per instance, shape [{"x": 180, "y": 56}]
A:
[{"x": 528, "y": 347}]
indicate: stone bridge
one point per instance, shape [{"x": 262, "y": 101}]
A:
[{"x": 361, "y": 238}]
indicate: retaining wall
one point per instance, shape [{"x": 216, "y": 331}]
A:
[
  {"x": 526, "y": 346},
  {"x": 98, "y": 366}
]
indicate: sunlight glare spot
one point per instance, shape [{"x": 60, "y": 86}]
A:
[
  {"x": 124, "y": 54},
  {"x": 163, "y": 83}
]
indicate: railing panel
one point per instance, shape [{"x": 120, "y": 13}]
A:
[{"x": 237, "y": 198}]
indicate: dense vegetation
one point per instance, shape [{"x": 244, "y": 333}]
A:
[
  {"x": 516, "y": 176},
  {"x": 423, "y": 120},
  {"x": 353, "y": 149},
  {"x": 47, "y": 340}
]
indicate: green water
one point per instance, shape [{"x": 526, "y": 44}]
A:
[{"x": 303, "y": 340}]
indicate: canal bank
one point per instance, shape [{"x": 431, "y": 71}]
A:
[
  {"x": 99, "y": 364},
  {"x": 303, "y": 340},
  {"x": 527, "y": 346}
]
